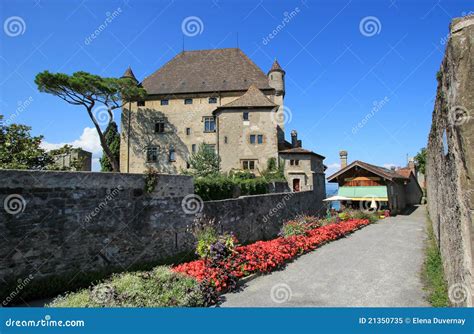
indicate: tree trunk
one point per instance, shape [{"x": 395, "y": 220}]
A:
[{"x": 103, "y": 143}]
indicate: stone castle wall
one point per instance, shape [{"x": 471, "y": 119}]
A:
[
  {"x": 450, "y": 162},
  {"x": 71, "y": 224}
]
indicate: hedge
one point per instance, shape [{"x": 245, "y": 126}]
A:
[{"x": 221, "y": 187}]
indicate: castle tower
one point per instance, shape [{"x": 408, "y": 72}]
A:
[
  {"x": 276, "y": 78},
  {"x": 129, "y": 74}
]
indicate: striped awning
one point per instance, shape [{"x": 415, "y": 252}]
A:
[{"x": 378, "y": 193}]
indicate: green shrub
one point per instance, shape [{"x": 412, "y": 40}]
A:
[
  {"x": 157, "y": 288},
  {"x": 214, "y": 188},
  {"x": 292, "y": 227},
  {"x": 253, "y": 186}
]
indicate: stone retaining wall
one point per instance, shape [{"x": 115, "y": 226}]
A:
[{"x": 71, "y": 224}]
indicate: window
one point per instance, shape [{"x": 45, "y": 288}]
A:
[
  {"x": 160, "y": 127},
  {"x": 248, "y": 164},
  {"x": 172, "y": 154},
  {"x": 212, "y": 100},
  {"x": 188, "y": 131},
  {"x": 211, "y": 147},
  {"x": 252, "y": 139},
  {"x": 256, "y": 139},
  {"x": 152, "y": 154},
  {"x": 164, "y": 102},
  {"x": 225, "y": 139},
  {"x": 209, "y": 124},
  {"x": 188, "y": 165},
  {"x": 294, "y": 162},
  {"x": 245, "y": 116},
  {"x": 188, "y": 101},
  {"x": 140, "y": 103},
  {"x": 193, "y": 148}
]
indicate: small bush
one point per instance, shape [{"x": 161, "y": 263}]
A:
[
  {"x": 214, "y": 188},
  {"x": 253, "y": 186},
  {"x": 157, "y": 288}
]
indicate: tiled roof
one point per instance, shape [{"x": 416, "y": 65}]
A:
[
  {"x": 299, "y": 150},
  {"x": 129, "y": 74},
  {"x": 276, "y": 67},
  {"x": 405, "y": 172},
  {"x": 206, "y": 71},
  {"x": 252, "y": 98},
  {"x": 381, "y": 171}
]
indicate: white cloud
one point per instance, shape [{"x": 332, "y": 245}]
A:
[
  {"x": 88, "y": 141},
  {"x": 332, "y": 168},
  {"x": 389, "y": 165}
]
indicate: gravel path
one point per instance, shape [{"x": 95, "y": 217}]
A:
[{"x": 377, "y": 266}]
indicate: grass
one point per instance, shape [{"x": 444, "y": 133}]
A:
[
  {"x": 433, "y": 274},
  {"x": 159, "y": 287}
]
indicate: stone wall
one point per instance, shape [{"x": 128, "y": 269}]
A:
[
  {"x": 71, "y": 225},
  {"x": 450, "y": 161}
]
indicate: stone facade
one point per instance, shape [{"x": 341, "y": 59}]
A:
[
  {"x": 76, "y": 154},
  {"x": 450, "y": 162},
  {"x": 58, "y": 225}
]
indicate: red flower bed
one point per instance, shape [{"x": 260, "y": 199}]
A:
[{"x": 265, "y": 256}]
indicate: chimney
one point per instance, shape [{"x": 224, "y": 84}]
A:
[
  {"x": 343, "y": 155},
  {"x": 412, "y": 166},
  {"x": 393, "y": 168},
  {"x": 294, "y": 139}
]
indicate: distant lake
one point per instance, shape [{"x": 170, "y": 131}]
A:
[{"x": 331, "y": 190}]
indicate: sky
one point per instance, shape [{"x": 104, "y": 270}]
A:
[{"x": 360, "y": 75}]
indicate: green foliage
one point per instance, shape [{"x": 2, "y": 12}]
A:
[
  {"x": 205, "y": 162},
  {"x": 20, "y": 150},
  {"x": 157, "y": 288},
  {"x": 299, "y": 225},
  {"x": 112, "y": 138},
  {"x": 92, "y": 91},
  {"x": 344, "y": 216},
  {"x": 433, "y": 274},
  {"x": 151, "y": 179},
  {"x": 252, "y": 186},
  {"x": 274, "y": 171},
  {"x": 420, "y": 160},
  {"x": 214, "y": 188}
]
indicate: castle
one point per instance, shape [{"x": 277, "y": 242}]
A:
[{"x": 222, "y": 99}]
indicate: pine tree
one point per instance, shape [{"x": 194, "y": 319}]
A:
[{"x": 112, "y": 138}]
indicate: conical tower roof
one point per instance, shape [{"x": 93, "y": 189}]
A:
[
  {"x": 276, "y": 67},
  {"x": 129, "y": 74}
]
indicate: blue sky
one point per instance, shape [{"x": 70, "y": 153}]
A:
[{"x": 360, "y": 74}]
